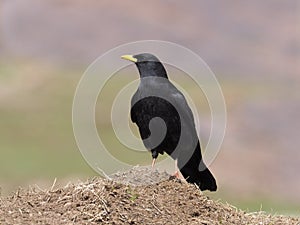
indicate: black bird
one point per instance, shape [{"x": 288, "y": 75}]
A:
[{"x": 165, "y": 121}]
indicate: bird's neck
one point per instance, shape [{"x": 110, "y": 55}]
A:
[
  {"x": 152, "y": 84},
  {"x": 152, "y": 69}
]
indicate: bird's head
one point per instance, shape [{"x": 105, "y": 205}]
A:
[{"x": 147, "y": 64}]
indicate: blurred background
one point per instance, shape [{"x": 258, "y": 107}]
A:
[{"x": 253, "y": 47}]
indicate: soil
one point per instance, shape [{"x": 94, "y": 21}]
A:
[{"x": 132, "y": 197}]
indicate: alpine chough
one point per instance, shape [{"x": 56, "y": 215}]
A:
[{"x": 157, "y": 100}]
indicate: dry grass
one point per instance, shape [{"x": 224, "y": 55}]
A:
[{"x": 102, "y": 201}]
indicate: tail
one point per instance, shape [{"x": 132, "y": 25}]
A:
[
  {"x": 202, "y": 178},
  {"x": 206, "y": 181}
]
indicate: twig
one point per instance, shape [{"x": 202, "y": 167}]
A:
[
  {"x": 54, "y": 182},
  {"x": 40, "y": 189},
  {"x": 156, "y": 208}
]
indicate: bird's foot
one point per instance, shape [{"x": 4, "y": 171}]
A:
[{"x": 176, "y": 174}]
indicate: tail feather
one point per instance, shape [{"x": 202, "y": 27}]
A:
[
  {"x": 201, "y": 177},
  {"x": 206, "y": 181}
]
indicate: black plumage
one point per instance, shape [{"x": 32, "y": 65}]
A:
[{"x": 165, "y": 121}]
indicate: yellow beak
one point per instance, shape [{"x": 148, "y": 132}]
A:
[{"x": 129, "y": 57}]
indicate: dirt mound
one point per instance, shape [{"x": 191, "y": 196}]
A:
[
  {"x": 140, "y": 176},
  {"x": 102, "y": 201}
]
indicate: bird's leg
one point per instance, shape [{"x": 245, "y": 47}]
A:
[
  {"x": 153, "y": 162},
  {"x": 176, "y": 174},
  {"x": 154, "y": 157}
]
